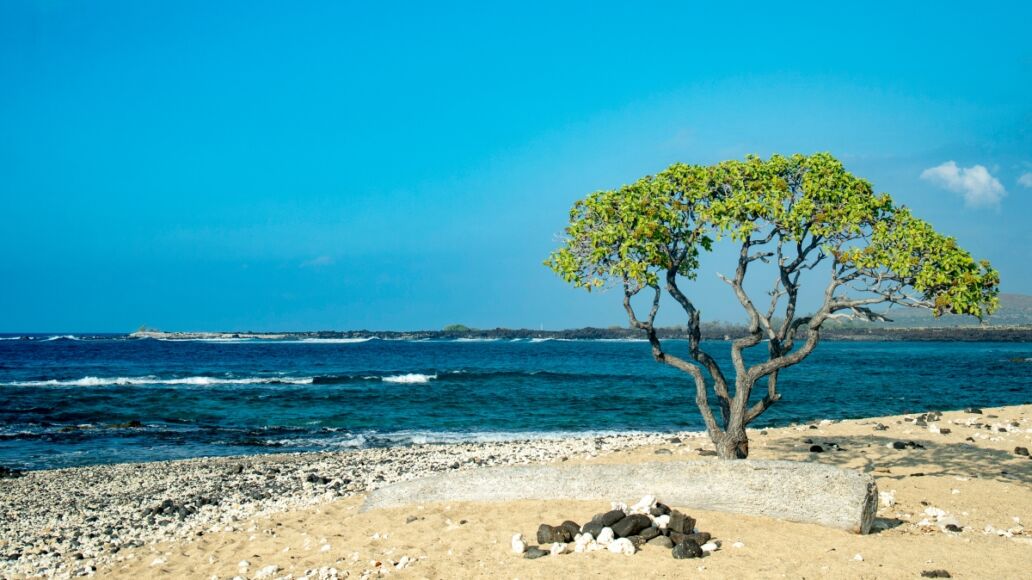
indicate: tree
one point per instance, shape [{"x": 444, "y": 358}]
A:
[{"x": 799, "y": 215}]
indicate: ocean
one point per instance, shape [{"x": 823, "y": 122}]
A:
[{"x": 77, "y": 400}]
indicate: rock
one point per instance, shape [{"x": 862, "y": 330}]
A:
[
  {"x": 664, "y": 451},
  {"x": 611, "y": 517},
  {"x": 674, "y": 440},
  {"x": 858, "y": 558},
  {"x": 680, "y": 522},
  {"x": 660, "y": 509},
  {"x": 547, "y": 534},
  {"x": 686, "y": 549},
  {"x": 649, "y": 533},
  {"x": 571, "y": 527},
  {"x": 631, "y": 525},
  {"x": 534, "y": 553},
  {"x": 738, "y": 545},
  {"x": 699, "y": 537},
  {"x": 880, "y": 427},
  {"x": 662, "y": 522},
  {"x": 936, "y": 573},
  {"x": 582, "y": 541},
  {"x": 816, "y": 449},
  {"x": 558, "y": 548},
  {"x": 621, "y": 546},
  {"x": 976, "y": 411},
  {"x": 638, "y": 541},
  {"x": 316, "y": 479},
  {"x": 518, "y": 545},
  {"x": 709, "y": 547},
  {"x": 592, "y": 528},
  {"x": 411, "y": 519},
  {"x": 887, "y": 498},
  {"x": 899, "y": 445},
  {"x": 661, "y": 541},
  {"x": 1021, "y": 451},
  {"x": 605, "y": 537}
]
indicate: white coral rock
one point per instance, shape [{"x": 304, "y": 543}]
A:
[
  {"x": 558, "y": 548},
  {"x": 709, "y": 547},
  {"x": 621, "y": 546},
  {"x": 662, "y": 521},
  {"x": 643, "y": 506},
  {"x": 887, "y": 498},
  {"x": 605, "y": 537},
  {"x": 518, "y": 545}
]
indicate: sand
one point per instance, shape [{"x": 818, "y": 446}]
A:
[{"x": 982, "y": 485}]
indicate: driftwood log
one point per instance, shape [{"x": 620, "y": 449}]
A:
[{"x": 798, "y": 492}]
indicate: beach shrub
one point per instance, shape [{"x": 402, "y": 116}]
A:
[{"x": 786, "y": 217}]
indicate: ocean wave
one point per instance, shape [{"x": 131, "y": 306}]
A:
[
  {"x": 63, "y": 337},
  {"x": 475, "y": 340},
  {"x": 409, "y": 378},
  {"x": 150, "y": 380},
  {"x": 332, "y": 340}
]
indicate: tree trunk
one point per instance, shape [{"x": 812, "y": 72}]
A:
[{"x": 732, "y": 444}]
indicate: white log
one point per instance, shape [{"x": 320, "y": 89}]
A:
[{"x": 797, "y": 492}]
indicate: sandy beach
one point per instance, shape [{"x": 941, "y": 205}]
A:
[{"x": 294, "y": 516}]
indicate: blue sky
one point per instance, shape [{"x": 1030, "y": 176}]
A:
[{"x": 252, "y": 165}]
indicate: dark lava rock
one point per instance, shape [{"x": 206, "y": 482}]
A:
[
  {"x": 880, "y": 427},
  {"x": 680, "y": 522},
  {"x": 935, "y": 574},
  {"x": 945, "y": 431},
  {"x": 816, "y": 449},
  {"x": 638, "y": 541},
  {"x": 699, "y": 538},
  {"x": 686, "y": 549},
  {"x": 609, "y": 518},
  {"x": 410, "y": 519},
  {"x": 971, "y": 439},
  {"x": 675, "y": 439},
  {"x": 953, "y": 528},
  {"x": 317, "y": 479},
  {"x": 660, "y": 510},
  {"x": 664, "y": 451},
  {"x": 1021, "y": 451},
  {"x": 921, "y": 423},
  {"x": 548, "y": 534},
  {"x": 631, "y": 525},
  {"x": 899, "y": 445},
  {"x": 808, "y": 441},
  {"x": 649, "y": 533},
  {"x": 593, "y": 528},
  {"x": 534, "y": 553},
  {"x": 661, "y": 541},
  {"x": 571, "y": 527},
  {"x": 974, "y": 410}
]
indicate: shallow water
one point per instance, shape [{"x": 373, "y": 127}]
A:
[{"x": 66, "y": 402}]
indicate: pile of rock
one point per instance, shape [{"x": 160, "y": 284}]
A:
[{"x": 623, "y": 530}]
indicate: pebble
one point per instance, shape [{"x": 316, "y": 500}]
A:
[
  {"x": 534, "y": 553},
  {"x": 936, "y": 573},
  {"x": 518, "y": 545},
  {"x": 621, "y": 546},
  {"x": 738, "y": 545},
  {"x": 266, "y": 572},
  {"x": 661, "y": 541},
  {"x": 686, "y": 549}
]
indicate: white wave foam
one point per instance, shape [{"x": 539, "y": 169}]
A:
[
  {"x": 10, "y": 338},
  {"x": 63, "y": 337},
  {"x": 410, "y": 378},
  {"x": 150, "y": 380},
  {"x": 541, "y": 339},
  {"x": 476, "y": 340}
]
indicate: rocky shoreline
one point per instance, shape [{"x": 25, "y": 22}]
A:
[{"x": 68, "y": 522}]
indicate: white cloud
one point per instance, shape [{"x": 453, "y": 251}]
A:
[
  {"x": 317, "y": 262},
  {"x": 1026, "y": 179},
  {"x": 978, "y": 187}
]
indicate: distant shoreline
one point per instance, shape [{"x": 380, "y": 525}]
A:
[{"x": 717, "y": 332}]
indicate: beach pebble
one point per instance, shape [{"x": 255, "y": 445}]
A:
[
  {"x": 686, "y": 549},
  {"x": 558, "y": 548},
  {"x": 518, "y": 545},
  {"x": 661, "y": 541},
  {"x": 534, "y": 553},
  {"x": 611, "y": 517},
  {"x": 621, "y": 546},
  {"x": 709, "y": 547},
  {"x": 858, "y": 558},
  {"x": 738, "y": 545},
  {"x": 631, "y": 525}
]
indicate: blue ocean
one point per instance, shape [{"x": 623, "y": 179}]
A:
[{"x": 79, "y": 400}]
